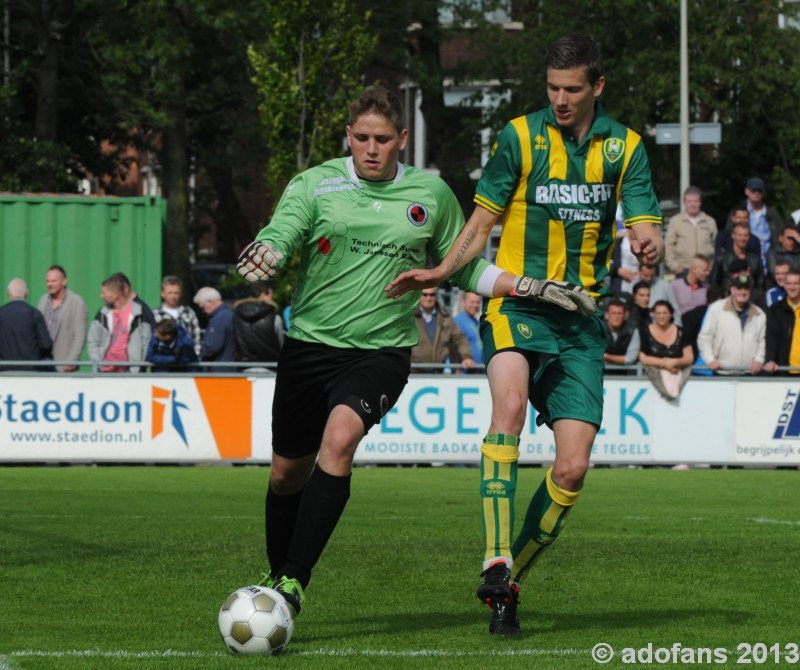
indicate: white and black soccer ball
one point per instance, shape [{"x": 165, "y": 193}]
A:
[{"x": 255, "y": 620}]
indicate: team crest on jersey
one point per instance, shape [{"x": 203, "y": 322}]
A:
[
  {"x": 613, "y": 149},
  {"x": 524, "y": 330},
  {"x": 417, "y": 213}
]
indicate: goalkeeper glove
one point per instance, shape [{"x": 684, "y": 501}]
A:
[
  {"x": 259, "y": 261},
  {"x": 565, "y": 295}
]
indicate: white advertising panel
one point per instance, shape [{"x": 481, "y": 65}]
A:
[
  {"x": 768, "y": 424},
  {"x": 439, "y": 418},
  {"x": 445, "y": 418},
  {"x": 115, "y": 418}
]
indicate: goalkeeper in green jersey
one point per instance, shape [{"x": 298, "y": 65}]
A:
[
  {"x": 555, "y": 177},
  {"x": 358, "y": 222}
]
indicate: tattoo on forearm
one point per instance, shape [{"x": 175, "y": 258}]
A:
[{"x": 462, "y": 251}]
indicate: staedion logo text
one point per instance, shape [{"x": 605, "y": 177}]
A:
[
  {"x": 573, "y": 194},
  {"x": 77, "y": 410}
]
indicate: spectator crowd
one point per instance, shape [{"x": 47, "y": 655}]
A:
[
  {"x": 125, "y": 332},
  {"x": 725, "y": 301}
]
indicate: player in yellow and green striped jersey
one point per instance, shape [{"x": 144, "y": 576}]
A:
[{"x": 554, "y": 178}]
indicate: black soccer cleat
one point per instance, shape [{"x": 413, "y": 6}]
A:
[
  {"x": 504, "y": 619},
  {"x": 495, "y": 588}
]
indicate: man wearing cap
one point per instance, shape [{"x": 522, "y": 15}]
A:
[
  {"x": 733, "y": 337},
  {"x": 739, "y": 257},
  {"x": 765, "y": 221},
  {"x": 757, "y": 295}
]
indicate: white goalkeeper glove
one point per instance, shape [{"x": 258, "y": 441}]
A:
[
  {"x": 565, "y": 295},
  {"x": 259, "y": 261}
]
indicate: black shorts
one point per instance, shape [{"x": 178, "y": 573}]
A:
[{"x": 312, "y": 379}]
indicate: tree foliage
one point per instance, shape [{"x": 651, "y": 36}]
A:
[
  {"x": 88, "y": 78},
  {"x": 743, "y": 72},
  {"x": 306, "y": 70},
  {"x": 177, "y": 73}
]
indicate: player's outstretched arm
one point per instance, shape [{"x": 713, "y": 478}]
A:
[
  {"x": 469, "y": 243},
  {"x": 647, "y": 244},
  {"x": 259, "y": 261}
]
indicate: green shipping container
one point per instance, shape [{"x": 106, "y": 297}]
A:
[{"x": 90, "y": 237}]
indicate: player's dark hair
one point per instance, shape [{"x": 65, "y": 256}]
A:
[
  {"x": 576, "y": 50},
  {"x": 378, "y": 100},
  {"x": 58, "y": 268}
]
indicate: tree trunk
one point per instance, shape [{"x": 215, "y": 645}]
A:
[{"x": 174, "y": 162}]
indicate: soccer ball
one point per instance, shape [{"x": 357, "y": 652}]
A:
[{"x": 255, "y": 620}]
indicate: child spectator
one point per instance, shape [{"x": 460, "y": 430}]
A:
[{"x": 170, "y": 348}]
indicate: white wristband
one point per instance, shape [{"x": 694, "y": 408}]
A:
[{"x": 487, "y": 281}]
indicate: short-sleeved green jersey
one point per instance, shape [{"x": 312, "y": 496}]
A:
[
  {"x": 355, "y": 237},
  {"x": 559, "y": 198}
]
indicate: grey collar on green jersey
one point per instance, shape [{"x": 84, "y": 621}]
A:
[{"x": 351, "y": 168}]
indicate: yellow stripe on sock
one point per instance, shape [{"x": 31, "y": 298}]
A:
[
  {"x": 551, "y": 517},
  {"x": 487, "y": 469},
  {"x": 527, "y": 555},
  {"x": 504, "y": 530},
  {"x": 490, "y": 521}
]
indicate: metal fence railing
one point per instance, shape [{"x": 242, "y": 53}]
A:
[{"x": 268, "y": 368}]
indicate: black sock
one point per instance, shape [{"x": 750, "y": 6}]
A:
[
  {"x": 280, "y": 522},
  {"x": 324, "y": 500}
]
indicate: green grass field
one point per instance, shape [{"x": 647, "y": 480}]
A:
[{"x": 117, "y": 567}]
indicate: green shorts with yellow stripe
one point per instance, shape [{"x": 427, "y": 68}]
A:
[{"x": 565, "y": 352}]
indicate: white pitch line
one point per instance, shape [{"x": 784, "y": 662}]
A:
[
  {"x": 341, "y": 653},
  {"x": 4, "y": 664},
  {"x": 119, "y": 653},
  {"x": 438, "y": 653},
  {"x": 775, "y": 521}
]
